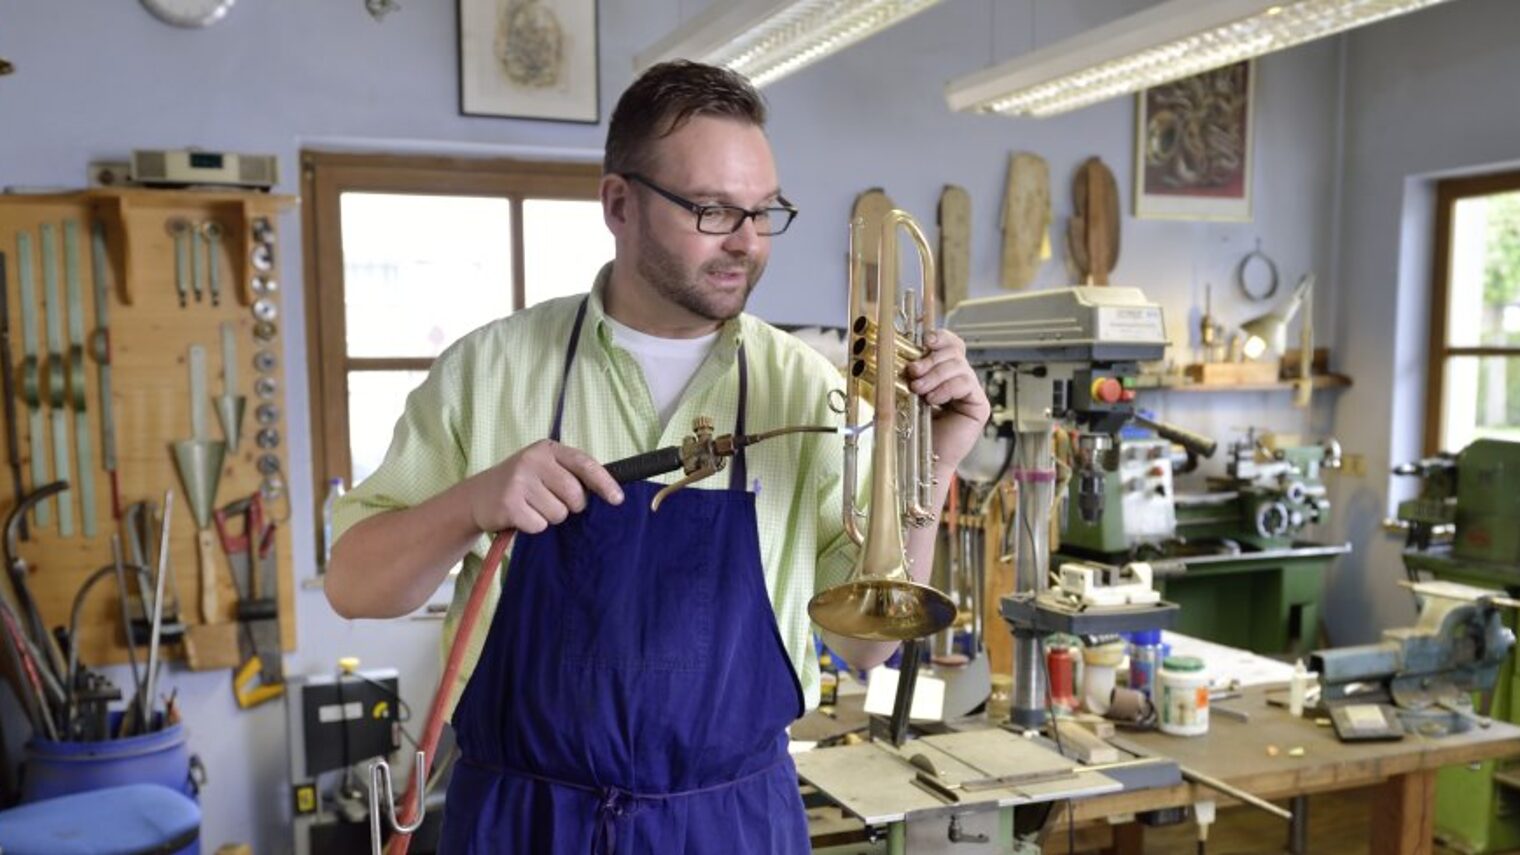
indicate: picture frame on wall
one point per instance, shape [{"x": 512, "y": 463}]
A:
[
  {"x": 529, "y": 59},
  {"x": 1193, "y": 146}
]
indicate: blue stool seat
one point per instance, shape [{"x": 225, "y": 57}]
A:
[{"x": 137, "y": 819}]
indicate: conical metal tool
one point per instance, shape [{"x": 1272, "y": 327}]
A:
[
  {"x": 230, "y": 405},
  {"x": 199, "y": 459}
]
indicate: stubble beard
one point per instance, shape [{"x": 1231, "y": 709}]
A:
[{"x": 670, "y": 279}]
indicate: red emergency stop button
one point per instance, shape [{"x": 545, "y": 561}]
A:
[{"x": 1106, "y": 390}]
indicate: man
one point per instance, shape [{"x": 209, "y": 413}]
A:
[{"x": 632, "y": 691}]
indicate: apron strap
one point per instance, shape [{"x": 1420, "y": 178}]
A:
[
  {"x": 564, "y": 380},
  {"x": 737, "y": 473}
]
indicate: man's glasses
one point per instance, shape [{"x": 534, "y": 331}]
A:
[{"x": 727, "y": 219}]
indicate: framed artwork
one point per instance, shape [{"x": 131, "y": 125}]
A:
[
  {"x": 529, "y": 59},
  {"x": 1193, "y": 147}
]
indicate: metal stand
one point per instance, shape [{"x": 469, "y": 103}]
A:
[{"x": 380, "y": 791}]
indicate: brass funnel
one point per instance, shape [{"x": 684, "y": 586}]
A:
[
  {"x": 198, "y": 459},
  {"x": 199, "y": 462},
  {"x": 229, "y": 411},
  {"x": 230, "y": 405}
]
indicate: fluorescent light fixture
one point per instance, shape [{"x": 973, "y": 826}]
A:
[
  {"x": 1169, "y": 41},
  {"x": 765, "y": 40}
]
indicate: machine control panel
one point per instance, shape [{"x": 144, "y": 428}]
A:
[{"x": 1145, "y": 485}]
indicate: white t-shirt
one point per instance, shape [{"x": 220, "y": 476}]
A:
[{"x": 668, "y": 363}]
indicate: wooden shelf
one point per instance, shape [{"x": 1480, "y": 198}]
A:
[
  {"x": 235, "y": 210},
  {"x": 1321, "y": 381}
]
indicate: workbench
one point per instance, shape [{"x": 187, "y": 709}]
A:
[{"x": 1236, "y": 753}]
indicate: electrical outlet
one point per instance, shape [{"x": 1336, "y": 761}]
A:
[{"x": 1355, "y": 465}]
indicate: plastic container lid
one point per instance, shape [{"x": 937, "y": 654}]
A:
[
  {"x": 1147, "y": 636},
  {"x": 1182, "y": 663}
]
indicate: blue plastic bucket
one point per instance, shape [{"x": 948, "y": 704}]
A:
[{"x": 59, "y": 768}]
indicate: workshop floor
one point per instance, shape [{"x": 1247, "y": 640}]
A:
[{"x": 1338, "y": 825}]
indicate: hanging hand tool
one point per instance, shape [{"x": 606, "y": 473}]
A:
[
  {"x": 74, "y": 300},
  {"x": 139, "y": 706},
  {"x": 31, "y": 372},
  {"x": 183, "y": 239},
  {"x": 56, "y": 379},
  {"x": 192, "y": 237},
  {"x": 8, "y": 383},
  {"x": 212, "y": 232},
  {"x": 230, "y": 405},
  {"x": 249, "y": 553},
  {"x": 140, "y": 524},
  {"x": 199, "y": 461},
  {"x": 698, "y": 456},
  {"x": 101, "y": 347}
]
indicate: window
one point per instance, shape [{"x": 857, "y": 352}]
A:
[
  {"x": 405, "y": 255},
  {"x": 1474, "y": 377}
]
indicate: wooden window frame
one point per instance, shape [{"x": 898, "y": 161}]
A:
[
  {"x": 1448, "y": 193},
  {"x": 325, "y": 176}
]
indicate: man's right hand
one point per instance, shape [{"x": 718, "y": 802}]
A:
[{"x": 537, "y": 487}]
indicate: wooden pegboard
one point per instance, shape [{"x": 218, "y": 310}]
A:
[{"x": 150, "y": 335}]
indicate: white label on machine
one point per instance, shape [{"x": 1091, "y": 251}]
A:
[
  {"x": 329, "y": 713},
  {"x": 1131, "y": 324},
  {"x": 881, "y": 695}
]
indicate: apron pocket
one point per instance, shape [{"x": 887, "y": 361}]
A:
[{"x": 644, "y": 605}]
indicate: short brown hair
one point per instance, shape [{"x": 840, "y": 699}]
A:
[{"x": 663, "y": 98}]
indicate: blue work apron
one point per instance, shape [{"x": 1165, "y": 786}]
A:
[{"x": 634, "y": 692}]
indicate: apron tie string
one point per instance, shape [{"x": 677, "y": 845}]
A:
[{"x": 615, "y": 803}]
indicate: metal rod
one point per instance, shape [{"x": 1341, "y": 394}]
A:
[
  {"x": 126, "y": 625},
  {"x": 1234, "y": 792},
  {"x": 158, "y": 608}
]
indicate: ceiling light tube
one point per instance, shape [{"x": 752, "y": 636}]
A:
[
  {"x": 765, "y": 40},
  {"x": 1169, "y": 41}
]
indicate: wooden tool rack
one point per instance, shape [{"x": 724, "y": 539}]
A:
[{"x": 149, "y": 338}]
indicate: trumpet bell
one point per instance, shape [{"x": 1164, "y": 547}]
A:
[{"x": 877, "y": 609}]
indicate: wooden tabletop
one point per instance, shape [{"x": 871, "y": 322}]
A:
[{"x": 1239, "y": 753}]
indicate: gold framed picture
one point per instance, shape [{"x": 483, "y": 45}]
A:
[
  {"x": 1193, "y": 148},
  {"x": 529, "y": 59}
]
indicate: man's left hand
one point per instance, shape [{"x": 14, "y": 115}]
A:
[{"x": 944, "y": 378}]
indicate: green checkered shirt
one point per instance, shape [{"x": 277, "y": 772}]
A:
[{"x": 492, "y": 393}]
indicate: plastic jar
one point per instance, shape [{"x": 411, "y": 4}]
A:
[
  {"x": 1000, "y": 699},
  {"x": 1098, "y": 666},
  {"x": 1182, "y": 696}
]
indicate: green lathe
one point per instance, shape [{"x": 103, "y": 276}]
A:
[{"x": 1230, "y": 556}]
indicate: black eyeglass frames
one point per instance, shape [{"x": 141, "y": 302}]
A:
[{"x": 727, "y": 219}]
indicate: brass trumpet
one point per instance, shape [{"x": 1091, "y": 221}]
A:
[{"x": 880, "y": 601}]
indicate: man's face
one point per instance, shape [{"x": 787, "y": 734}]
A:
[{"x": 708, "y": 161}]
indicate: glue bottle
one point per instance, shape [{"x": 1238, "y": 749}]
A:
[{"x": 1298, "y": 689}]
